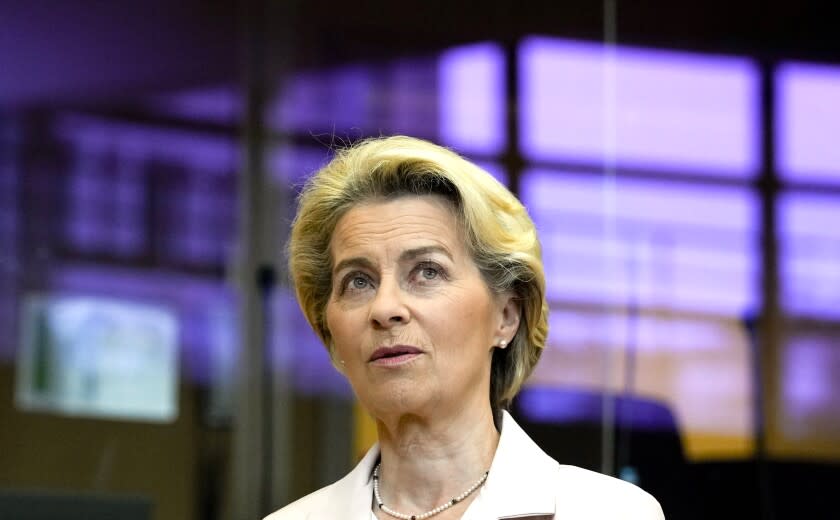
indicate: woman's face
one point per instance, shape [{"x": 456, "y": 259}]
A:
[{"x": 411, "y": 319}]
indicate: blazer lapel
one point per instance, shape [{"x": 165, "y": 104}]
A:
[
  {"x": 523, "y": 480},
  {"x": 350, "y": 497}
]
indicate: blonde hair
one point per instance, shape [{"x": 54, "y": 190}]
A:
[{"x": 500, "y": 237}]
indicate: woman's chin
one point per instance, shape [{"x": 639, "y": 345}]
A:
[{"x": 397, "y": 398}]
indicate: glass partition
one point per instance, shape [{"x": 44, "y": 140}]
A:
[{"x": 685, "y": 187}]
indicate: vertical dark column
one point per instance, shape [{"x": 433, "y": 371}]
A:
[
  {"x": 263, "y": 453},
  {"x": 608, "y": 403},
  {"x": 42, "y": 204},
  {"x": 248, "y": 480},
  {"x": 11, "y": 219},
  {"x": 770, "y": 329},
  {"x": 512, "y": 158},
  {"x": 283, "y": 451},
  {"x": 165, "y": 183}
]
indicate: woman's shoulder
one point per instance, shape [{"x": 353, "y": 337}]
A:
[{"x": 587, "y": 494}]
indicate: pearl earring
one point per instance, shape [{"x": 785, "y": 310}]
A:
[{"x": 502, "y": 344}]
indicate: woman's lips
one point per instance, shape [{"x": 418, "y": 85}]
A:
[{"x": 394, "y": 355}]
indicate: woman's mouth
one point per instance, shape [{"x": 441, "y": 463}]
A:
[{"x": 398, "y": 354}]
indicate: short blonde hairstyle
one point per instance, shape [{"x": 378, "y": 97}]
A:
[{"x": 500, "y": 235}]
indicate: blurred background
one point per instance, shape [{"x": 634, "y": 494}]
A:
[{"x": 680, "y": 159}]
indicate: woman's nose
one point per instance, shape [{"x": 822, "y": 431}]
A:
[{"x": 388, "y": 308}]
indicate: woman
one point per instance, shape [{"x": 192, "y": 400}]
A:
[{"x": 422, "y": 276}]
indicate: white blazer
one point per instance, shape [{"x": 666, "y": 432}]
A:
[{"x": 523, "y": 482}]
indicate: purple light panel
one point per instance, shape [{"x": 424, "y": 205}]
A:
[
  {"x": 457, "y": 99},
  {"x": 221, "y": 104},
  {"x": 105, "y": 203},
  {"x": 676, "y": 245},
  {"x": 409, "y": 104},
  {"x": 810, "y": 254},
  {"x": 808, "y": 128},
  {"x": 358, "y": 100},
  {"x": 108, "y": 189},
  {"x": 333, "y": 101},
  {"x": 672, "y": 110},
  {"x": 577, "y": 331},
  {"x": 211, "y": 154},
  {"x": 472, "y": 98}
]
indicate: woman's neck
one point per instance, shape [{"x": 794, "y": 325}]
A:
[{"x": 428, "y": 461}]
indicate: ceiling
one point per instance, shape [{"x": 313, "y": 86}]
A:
[{"x": 73, "y": 51}]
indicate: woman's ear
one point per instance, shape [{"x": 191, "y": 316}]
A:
[{"x": 510, "y": 314}]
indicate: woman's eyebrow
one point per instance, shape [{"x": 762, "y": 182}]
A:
[
  {"x": 356, "y": 261},
  {"x": 407, "y": 255},
  {"x": 411, "y": 254}
]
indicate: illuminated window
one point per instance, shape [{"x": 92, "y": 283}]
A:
[
  {"x": 472, "y": 99},
  {"x": 810, "y": 254},
  {"x": 808, "y": 108},
  {"x": 673, "y": 245},
  {"x": 652, "y": 108}
]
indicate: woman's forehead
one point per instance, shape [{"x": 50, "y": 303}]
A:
[{"x": 402, "y": 225}]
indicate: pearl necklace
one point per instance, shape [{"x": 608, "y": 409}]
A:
[{"x": 427, "y": 514}]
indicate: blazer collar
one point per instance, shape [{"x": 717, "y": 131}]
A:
[{"x": 521, "y": 483}]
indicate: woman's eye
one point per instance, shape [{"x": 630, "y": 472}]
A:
[
  {"x": 429, "y": 273},
  {"x": 355, "y": 282}
]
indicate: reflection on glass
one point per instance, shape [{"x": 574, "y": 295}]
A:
[
  {"x": 472, "y": 98},
  {"x": 671, "y": 284},
  {"x": 98, "y": 357},
  {"x": 217, "y": 104},
  {"x": 203, "y": 309},
  {"x": 808, "y": 122},
  {"x": 358, "y": 100},
  {"x": 810, "y": 254},
  {"x": 137, "y": 191},
  {"x": 698, "y": 366},
  {"x": 672, "y": 109},
  {"x": 678, "y": 246}
]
